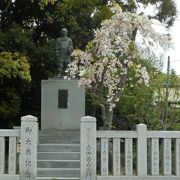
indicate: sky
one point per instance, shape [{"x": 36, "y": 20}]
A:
[
  {"x": 175, "y": 53},
  {"x": 174, "y": 31}
]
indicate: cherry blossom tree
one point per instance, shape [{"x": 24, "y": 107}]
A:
[{"x": 111, "y": 59}]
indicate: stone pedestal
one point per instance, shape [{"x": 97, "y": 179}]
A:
[{"x": 62, "y": 104}]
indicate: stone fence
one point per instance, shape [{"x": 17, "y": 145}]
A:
[
  {"x": 22, "y": 160},
  {"x": 128, "y": 155},
  {"x": 105, "y": 155}
]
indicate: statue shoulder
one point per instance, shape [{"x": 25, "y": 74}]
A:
[
  {"x": 70, "y": 41},
  {"x": 57, "y": 40}
]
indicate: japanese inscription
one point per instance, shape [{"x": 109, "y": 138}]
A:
[
  {"x": 178, "y": 157},
  {"x": 28, "y": 151},
  {"x": 155, "y": 156},
  {"x": 88, "y": 156},
  {"x": 128, "y": 157},
  {"x": 104, "y": 156},
  {"x": 88, "y": 148},
  {"x": 116, "y": 157},
  {"x": 29, "y": 136},
  {"x": 167, "y": 157},
  {"x": 12, "y": 155}
]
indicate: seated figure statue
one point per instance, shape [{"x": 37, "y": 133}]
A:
[{"x": 63, "y": 47}]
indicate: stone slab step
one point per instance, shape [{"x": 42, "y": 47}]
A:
[
  {"x": 59, "y": 148},
  {"x": 58, "y": 163},
  {"x": 64, "y": 139},
  {"x": 58, "y": 155},
  {"x": 57, "y": 178},
  {"x": 58, "y": 172},
  {"x": 56, "y": 133}
]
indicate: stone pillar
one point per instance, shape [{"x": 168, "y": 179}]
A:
[
  {"x": 177, "y": 157},
  {"x": 141, "y": 149},
  {"x": 2, "y": 155},
  {"x": 29, "y": 134},
  {"x": 88, "y": 148}
]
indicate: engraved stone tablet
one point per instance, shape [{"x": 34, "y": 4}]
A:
[
  {"x": 128, "y": 157},
  {"x": 63, "y": 98},
  {"x": 155, "y": 156},
  {"x": 116, "y": 157},
  {"x": 104, "y": 156},
  {"x": 167, "y": 157}
]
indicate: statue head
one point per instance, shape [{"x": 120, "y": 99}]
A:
[{"x": 64, "y": 32}]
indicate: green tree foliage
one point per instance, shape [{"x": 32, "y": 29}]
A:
[
  {"x": 27, "y": 31},
  {"x": 167, "y": 100},
  {"x": 21, "y": 60},
  {"x": 13, "y": 66},
  {"x": 167, "y": 10},
  {"x": 75, "y": 15},
  {"x": 142, "y": 104},
  {"x": 14, "y": 70}
]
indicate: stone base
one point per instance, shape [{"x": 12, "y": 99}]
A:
[{"x": 67, "y": 117}]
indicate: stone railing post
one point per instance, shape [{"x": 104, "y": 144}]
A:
[
  {"x": 28, "y": 156},
  {"x": 88, "y": 148},
  {"x": 141, "y": 149}
]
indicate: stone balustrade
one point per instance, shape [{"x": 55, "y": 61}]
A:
[
  {"x": 128, "y": 155},
  {"x": 26, "y": 166}
]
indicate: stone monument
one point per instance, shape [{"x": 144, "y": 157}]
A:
[
  {"x": 62, "y": 101},
  {"x": 62, "y": 104},
  {"x": 63, "y": 47}
]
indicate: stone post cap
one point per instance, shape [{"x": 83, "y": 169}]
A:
[
  {"x": 88, "y": 119},
  {"x": 28, "y": 118},
  {"x": 141, "y": 127}
]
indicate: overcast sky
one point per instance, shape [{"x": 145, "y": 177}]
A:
[{"x": 175, "y": 54}]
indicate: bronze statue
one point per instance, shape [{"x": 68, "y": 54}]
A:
[{"x": 64, "y": 47}]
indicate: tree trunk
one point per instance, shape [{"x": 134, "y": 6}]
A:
[{"x": 107, "y": 116}]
